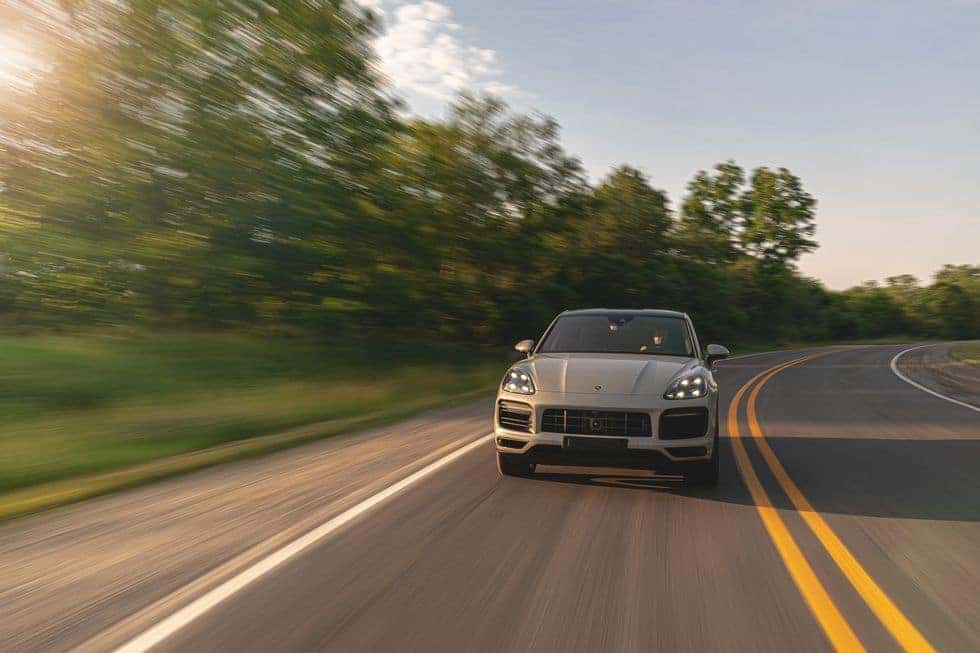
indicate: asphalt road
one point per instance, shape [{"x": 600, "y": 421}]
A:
[{"x": 853, "y": 519}]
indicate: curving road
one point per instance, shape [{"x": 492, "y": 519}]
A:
[{"x": 848, "y": 516}]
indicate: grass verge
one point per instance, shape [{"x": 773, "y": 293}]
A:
[
  {"x": 86, "y": 416},
  {"x": 967, "y": 352},
  {"x": 49, "y": 495}
]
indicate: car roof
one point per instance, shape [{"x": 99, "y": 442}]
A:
[{"x": 657, "y": 312}]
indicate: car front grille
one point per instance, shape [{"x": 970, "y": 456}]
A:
[
  {"x": 595, "y": 422},
  {"x": 680, "y": 423},
  {"x": 514, "y": 415}
]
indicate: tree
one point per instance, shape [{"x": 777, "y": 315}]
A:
[
  {"x": 959, "y": 311},
  {"x": 954, "y": 301},
  {"x": 197, "y": 161},
  {"x": 875, "y": 312},
  {"x": 223, "y": 164},
  {"x": 905, "y": 290},
  {"x": 711, "y": 213},
  {"x": 477, "y": 203},
  {"x": 778, "y": 217},
  {"x": 628, "y": 216}
]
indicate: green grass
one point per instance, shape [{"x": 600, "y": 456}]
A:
[
  {"x": 77, "y": 408},
  {"x": 967, "y": 352}
]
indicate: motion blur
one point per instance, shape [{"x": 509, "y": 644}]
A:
[
  {"x": 229, "y": 165},
  {"x": 243, "y": 168},
  {"x": 225, "y": 231}
]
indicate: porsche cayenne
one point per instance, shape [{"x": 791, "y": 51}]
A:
[{"x": 612, "y": 388}]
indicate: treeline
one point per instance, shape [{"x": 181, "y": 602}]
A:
[{"x": 228, "y": 164}]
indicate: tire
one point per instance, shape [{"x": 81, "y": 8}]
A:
[
  {"x": 705, "y": 472},
  {"x": 513, "y": 465}
]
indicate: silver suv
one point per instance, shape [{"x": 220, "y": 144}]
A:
[{"x": 612, "y": 388}]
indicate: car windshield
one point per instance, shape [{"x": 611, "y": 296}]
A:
[{"x": 619, "y": 334}]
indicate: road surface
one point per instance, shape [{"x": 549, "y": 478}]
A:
[{"x": 847, "y": 516}]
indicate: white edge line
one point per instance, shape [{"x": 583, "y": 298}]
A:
[
  {"x": 894, "y": 366},
  {"x": 199, "y": 606}
]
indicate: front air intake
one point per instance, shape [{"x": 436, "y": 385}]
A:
[
  {"x": 514, "y": 416},
  {"x": 681, "y": 423}
]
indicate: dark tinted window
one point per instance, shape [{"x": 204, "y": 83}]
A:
[{"x": 618, "y": 334}]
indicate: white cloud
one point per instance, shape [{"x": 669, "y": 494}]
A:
[{"x": 423, "y": 51}]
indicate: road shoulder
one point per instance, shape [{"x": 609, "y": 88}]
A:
[
  {"x": 80, "y": 569},
  {"x": 932, "y": 366}
]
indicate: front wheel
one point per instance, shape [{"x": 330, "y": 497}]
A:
[{"x": 513, "y": 465}]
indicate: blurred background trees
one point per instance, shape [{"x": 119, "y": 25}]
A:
[{"x": 222, "y": 165}]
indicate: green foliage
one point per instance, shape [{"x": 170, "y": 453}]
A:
[
  {"x": 778, "y": 217},
  {"x": 711, "y": 213},
  {"x": 185, "y": 161},
  {"x": 771, "y": 219},
  {"x": 217, "y": 165},
  {"x": 876, "y": 311},
  {"x": 628, "y": 216},
  {"x": 949, "y": 308},
  {"x": 80, "y": 405}
]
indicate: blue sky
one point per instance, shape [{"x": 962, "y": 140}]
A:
[{"x": 876, "y": 105}]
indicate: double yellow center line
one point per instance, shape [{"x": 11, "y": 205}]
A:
[{"x": 833, "y": 623}]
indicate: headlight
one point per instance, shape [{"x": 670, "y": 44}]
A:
[
  {"x": 690, "y": 386},
  {"x": 518, "y": 380}
]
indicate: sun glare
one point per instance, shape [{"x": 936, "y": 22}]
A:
[{"x": 17, "y": 65}]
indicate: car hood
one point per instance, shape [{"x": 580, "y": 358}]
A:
[{"x": 624, "y": 374}]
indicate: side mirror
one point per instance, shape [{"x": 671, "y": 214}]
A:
[
  {"x": 524, "y": 346},
  {"x": 716, "y": 353}
]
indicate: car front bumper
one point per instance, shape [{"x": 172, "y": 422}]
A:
[{"x": 550, "y": 448}]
